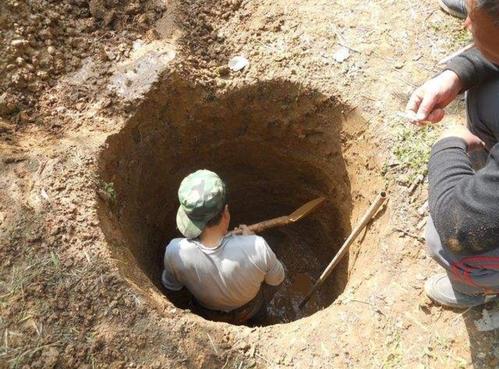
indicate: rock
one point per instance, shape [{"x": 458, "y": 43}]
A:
[
  {"x": 152, "y": 35},
  {"x": 238, "y": 63},
  {"x": 19, "y": 43},
  {"x": 43, "y": 75},
  {"x": 24, "y": 117},
  {"x": 45, "y": 34},
  {"x": 341, "y": 54},
  {"x": 51, "y": 50},
  {"x": 223, "y": 70},
  {"x": 7, "y": 104}
]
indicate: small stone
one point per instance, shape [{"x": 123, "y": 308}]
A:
[
  {"x": 45, "y": 34},
  {"x": 341, "y": 54},
  {"x": 238, "y": 63},
  {"x": 19, "y": 43},
  {"x": 223, "y": 70},
  {"x": 7, "y": 105},
  {"x": 42, "y": 75},
  {"x": 152, "y": 35},
  {"x": 24, "y": 117},
  {"x": 51, "y": 50}
]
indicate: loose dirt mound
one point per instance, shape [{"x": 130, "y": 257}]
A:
[{"x": 44, "y": 40}]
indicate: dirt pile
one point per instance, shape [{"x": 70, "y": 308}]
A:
[{"x": 44, "y": 40}]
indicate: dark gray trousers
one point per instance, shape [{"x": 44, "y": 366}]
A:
[{"x": 476, "y": 274}]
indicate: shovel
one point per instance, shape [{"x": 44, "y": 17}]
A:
[
  {"x": 380, "y": 199},
  {"x": 295, "y": 216}
]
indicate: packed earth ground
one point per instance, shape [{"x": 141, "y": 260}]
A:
[{"x": 81, "y": 81}]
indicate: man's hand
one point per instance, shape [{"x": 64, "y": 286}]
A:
[
  {"x": 472, "y": 142},
  {"x": 428, "y": 101},
  {"x": 242, "y": 230}
]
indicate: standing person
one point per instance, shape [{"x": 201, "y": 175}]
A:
[
  {"x": 463, "y": 229},
  {"x": 223, "y": 271}
]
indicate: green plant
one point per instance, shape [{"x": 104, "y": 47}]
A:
[
  {"x": 108, "y": 188},
  {"x": 413, "y": 146}
]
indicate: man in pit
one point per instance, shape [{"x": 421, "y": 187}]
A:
[
  {"x": 223, "y": 271},
  {"x": 463, "y": 228}
]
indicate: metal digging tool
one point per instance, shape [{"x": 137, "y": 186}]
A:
[
  {"x": 298, "y": 214},
  {"x": 367, "y": 217}
]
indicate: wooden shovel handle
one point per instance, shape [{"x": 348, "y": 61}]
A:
[{"x": 271, "y": 223}]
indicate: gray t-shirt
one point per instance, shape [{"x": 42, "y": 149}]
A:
[{"x": 223, "y": 278}]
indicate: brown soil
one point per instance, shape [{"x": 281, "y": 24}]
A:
[{"x": 137, "y": 94}]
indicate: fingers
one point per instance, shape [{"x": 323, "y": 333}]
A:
[
  {"x": 421, "y": 107},
  {"x": 436, "y": 115},
  {"x": 242, "y": 229},
  {"x": 478, "y": 144},
  {"x": 237, "y": 231},
  {"x": 414, "y": 101},
  {"x": 426, "y": 107}
]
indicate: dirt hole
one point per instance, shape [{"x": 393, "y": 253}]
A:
[{"x": 276, "y": 144}]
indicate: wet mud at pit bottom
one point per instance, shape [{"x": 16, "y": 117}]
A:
[{"x": 303, "y": 267}]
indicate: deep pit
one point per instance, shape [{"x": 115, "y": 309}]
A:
[{"x": 277, "y": 146}]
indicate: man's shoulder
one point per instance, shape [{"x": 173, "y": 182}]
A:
[
  {"x": 247, "y": 241},
  {"x": 177, "y": 244}
]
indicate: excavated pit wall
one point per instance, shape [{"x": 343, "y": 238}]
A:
[{"x": 276, "y": 144}]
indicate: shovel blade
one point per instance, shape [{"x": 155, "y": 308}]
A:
[{"x": 306, "y": 209}]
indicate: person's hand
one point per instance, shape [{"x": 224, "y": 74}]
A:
[
  {"x": 243, "y": 229},
  {"x": 472, "y": 142},
  {"x": 428, "y": 101}
]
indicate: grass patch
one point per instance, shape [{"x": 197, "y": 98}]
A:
[{"x": 412, "y": 148}]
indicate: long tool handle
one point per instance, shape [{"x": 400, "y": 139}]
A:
[
  {"x": 365, "y": 219},
  {"x": 271, "y": 223}
]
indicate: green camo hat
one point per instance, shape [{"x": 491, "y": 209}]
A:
[{"x": 202, "y": 195}]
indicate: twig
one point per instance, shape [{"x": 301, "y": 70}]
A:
[
  {"x": 264, "y": 359},
  {"x": 421, "y": 224},
  {"x": 415, "y": 184},
  {"x": 348, "y": 47},
  {"x": 412, "y": 235},
  {"x": 376, "y": 309},
  {"x": 429, "y": 15},
  {"x": 212, "y": 344}
]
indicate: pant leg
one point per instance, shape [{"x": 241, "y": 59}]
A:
[{"x": 445, "y": 259}]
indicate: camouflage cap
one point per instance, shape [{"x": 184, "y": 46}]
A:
[{"x": 202, "y": 196}]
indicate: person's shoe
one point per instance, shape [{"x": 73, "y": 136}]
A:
[
  {"x": 439, "y": 289},
  {"x": 456, "y": 8}
]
